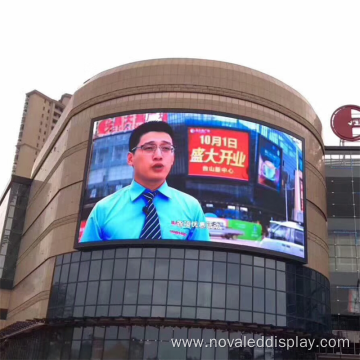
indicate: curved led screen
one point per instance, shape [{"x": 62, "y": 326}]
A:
[{"x": 201, "y": 179}]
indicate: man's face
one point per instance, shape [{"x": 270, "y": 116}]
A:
[{"x": 152, "y": 167}]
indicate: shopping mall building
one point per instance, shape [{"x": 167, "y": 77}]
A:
[{"x": 249, "y": 149}]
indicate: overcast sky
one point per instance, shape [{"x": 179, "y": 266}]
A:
[{"x": 54, "y": 46}]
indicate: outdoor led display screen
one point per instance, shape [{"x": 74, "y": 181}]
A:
[{"x": 201, "y": 179}]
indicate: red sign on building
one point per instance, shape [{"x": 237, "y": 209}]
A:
[
  {"x": 345, "y": 122},
  {"x": 219, "y": 153},
  {"x": 126, "y": 123}
]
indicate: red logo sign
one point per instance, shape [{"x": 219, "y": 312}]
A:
[
  {"x": 345, "y": 122},
  {"x": 219, "y": 153}
]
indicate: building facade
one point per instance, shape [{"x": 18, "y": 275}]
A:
[
  {"x": 128, "y": 302},
  {"x": 343, "y": 188},
  {"x": 12, "y": 217},
  {"x": 40, "y": 116}
]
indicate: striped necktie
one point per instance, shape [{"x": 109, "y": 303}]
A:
[{"x": 151, "y": 229}]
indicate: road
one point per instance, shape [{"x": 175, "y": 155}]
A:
[{"x": 236, "y": 242}]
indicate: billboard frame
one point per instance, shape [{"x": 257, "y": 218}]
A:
[{"x": 199, "y": 245}]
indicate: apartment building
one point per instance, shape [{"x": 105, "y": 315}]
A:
[{"x": 40, "y": 115}]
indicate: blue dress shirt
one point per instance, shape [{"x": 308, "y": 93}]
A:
[{"x": 120, "y": 216}]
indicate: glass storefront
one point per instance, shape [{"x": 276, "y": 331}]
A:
[
  {"x": 343, "y": 195},
  {"x": 189, "y": 284},
  {"x": 143, "y": 343},
  {"x": 115, "y": 304}
]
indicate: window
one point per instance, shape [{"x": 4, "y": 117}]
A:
[
  {"x": 40, "y": 130},
  {"x": 163, "y": 282},
  {"x": 44, "y": 108},
  {"x": 48, "y": 111},
  {"x": 43, "y": 139},
  {"x": 102, "y": 155},
  {"x": 52, "y": 128},
  {"x": 117, "y": 153},
  {"x": 299, "y": 237},
  {"x": 37, "y": 145},
  {"x": 54, "y": 121},
  {"x": 40, "y": 122},
  {"x": 345, "y": 251},
  {"x": 39, "y": 137},
  {"x": 42, "y": 115},
  {"x": 96, "y": 176},
  {"x": 44, "y": 132}
]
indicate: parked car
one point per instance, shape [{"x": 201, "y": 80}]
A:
[
  {"x": 286, "y": 237},
  {"x": 221, "y": 229}
]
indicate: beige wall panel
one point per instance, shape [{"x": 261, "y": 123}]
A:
[
  {"x": 73, "y": 135},
  {"x": 65, "y": 204},
  {"x": 69, "y": 171},
  {"x": 182, "y": 73},
  {"x": 4, "y": 298},
  {"x": 316, "y": 189},
  {"x": 318, "y": 249},
  {"x": 58, "y": 240},
  {"x": 316, "y": 223},
  {"x": 80, "y": 127},
  {"x": 318, "y": 257},
  {"x": 50, "y": 161},
  {"x": 35, "y": 288},
  {"x": 34, "y": 311}
]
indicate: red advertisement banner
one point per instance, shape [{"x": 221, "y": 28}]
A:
[
  {"x": 219, "y": 153},
  {"x": 126, "y": 123}
]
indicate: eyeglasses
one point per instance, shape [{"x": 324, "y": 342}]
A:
[{"x": 150, "y": 149}]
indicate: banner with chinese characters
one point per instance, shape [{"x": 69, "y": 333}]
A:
[
  {"x": 219, "y": 153},
  {"x": 125, "y": 123}
]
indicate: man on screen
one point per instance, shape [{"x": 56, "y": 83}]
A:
[{"x": 148, "y": 208}]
